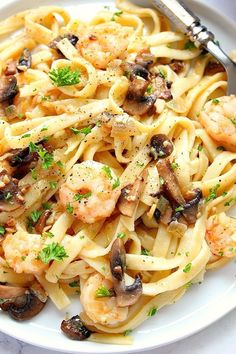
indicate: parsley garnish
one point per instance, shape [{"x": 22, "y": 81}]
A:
[
  {"x": 121, "y": 235},
  {"x": 213, "y": 193},
  {"x": 52, "y": 252},
  {"x": 215, "y": 101},
  {"x": 53, "y": 185},
  {"x": 8, "y": 196},
  {"x": 20, "y": 115},
  {"x": 187, "y": 268},
  {"x": 103, "y": 292},
  {"x": 84, "y": 131},
  {"x": 150, "y": 89},
  {"x": 140, "y": 164},
  {"x": 233, "y": 121},
  {"x": 2, "y": 230},
  {"x": 145, "y": 252},
  {"x": 60, "y": 164},
  {"x": 116, "y": 183},
  {"x": 46, "y": 98},
  {"x": 162, "y": 73},
  {"x": 35, "y": 215},
  {"x": 189, "y": 45},
  {"x": 127, "y": 332},
  {"x": 200, "y": 147},
  {"x": 47, "y": 234},
  {"x": 118, "y": 14},
  {"x": 179, "y": 208},
  {"x": 107, "y": 171},
  {"x": 229, "y": 202},
  {"x": 25, "y": 136},
  {"x": 174, "y": 165},
  {"x": 44, "y": 129},
  {"x": 23, "y": 258},
  {"x": 221, "y": 253},
  {"x": 79, "y": 196},
  {"x": 220, "y": 148},
  {"x": 69, "y": 208},
  {"x": 188, "y": 284},
  {"x": 45, "y": 156},
  {"x": 47, "y": 206},
  {"x": 152, "y": 311},
  {"x": 34, "y": 173},
  {"x": 64, "y": 76},
  {"x": 74, "y": 284}
]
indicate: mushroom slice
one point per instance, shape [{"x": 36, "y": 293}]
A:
[
  {"x": 145, "y": 58},
  {"x": 125, "y": 295},
  {"x": 190, "y": 208},
  {"x": 28, "y": 305},
  {"x": 140, "y": 107},
  {"x": 177, "y": 65},
  {"x": 10, "y": 68},
  {"x": 75, "y": 329},
  {"x": 10, "y": 292},
  {"x": 130, "y": 196},
  {"x": 214, "y": 67},
  {"x": 162, "y": 88},
  {"x": 8, "y": 88},
  {"x": 161, "y": 146},
  {"x": 41, "y": 223},
  {"x": 73, "y": 39},
  {"x": 133, "y": 70},
  {"x": 25, "y": 60},
  {"x": 171, "y": 184}
]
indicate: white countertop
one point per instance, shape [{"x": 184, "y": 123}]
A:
[{"x": 218, "y": 338}]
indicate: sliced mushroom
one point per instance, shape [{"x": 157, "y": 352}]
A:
[
  {"x": 162, "y": 88},
  {"x": 214, "y": 67},
  {"x": 25, "y": 60},
  {"x": 161, "y": 146},
  {"x": 73, "y": 39},
  {"x": 133, "y": 70},
  {"x": 130, "y": 196},
  {"x": 190, "y": 208},
  {"x": 8, "y": 88},
  {"x": 11, "y": 195},
  {"x": 10, "y": 68},
  {"x": 177, "y": 66},
  {"x": 125, "y": 295},
  {"x": 25, "y": 305},
  {"x": 41, "y": 223},
  {"x": 171, "y": 185},
  {"x": 75, "y": 329},
  {"x": 137, "y": 89},
  {"x": 145, "y": 58},
  {"x": 140, "y": 107}
]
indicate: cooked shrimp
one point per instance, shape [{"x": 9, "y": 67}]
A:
[
  {"x": 221, "y": 235},
  {"x": 90, "y": 191},
  {"x": 102, "y": 310},
  {"x": 219, "y": 119},
  {"x": 21, "y": 251},
  {"x": 101, "y": 46}
]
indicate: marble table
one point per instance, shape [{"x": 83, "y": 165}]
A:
[{"x": 218, "y": 338}]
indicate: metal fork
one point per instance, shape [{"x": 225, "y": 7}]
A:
[{"x": 191, "y": 25}]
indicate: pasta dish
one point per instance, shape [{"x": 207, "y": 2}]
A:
[{"x": 117, "y": 167}]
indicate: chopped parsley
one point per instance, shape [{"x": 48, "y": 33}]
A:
[
  {"x": 224, "y": 194},
  {"x": 79, "y": 196},
  {"x": 45, "y": 98},
  {"x": 60, "y": 164},
  {"x": 233, "y": 121},
  {"x": 127, "y": 332},
  {"x": 34, "y": 174},
  {"x": 150, "y": 89},
  {"x": 52, "y": 252},
  {"x": 179, "y": 208},
  {"x": 20, "y": 115},
  {"x": 187, "y": 268},
  {"x": 74, "y": 284},
  {"x": 69, "y": 208},
  {"x": 220, "y": 148},
  {"x": 116, "y": 14},
  {"x": 188, "y": 284},
  {"x": 189, "y": 45},
  {"x": 2, "y": 230},
  {"x": 212, "y": 193},
  {"x": 23, "y": 258},
  {"x": 140, "y": 164},
  {"x": 8, "y": 196},
  {"x": 152, "y": 311},
  {"x": 44, "y": 155},
  {"x": 47, "y": 206},
  {"x": 103, "y": 292},
  {"x": 215, "y": 101},
  {"x": 107, "y": 171},
  {"x": 27, "y": 135},
  {"x": 221, "y": 253},
  {"x": 162, "y": 73},
  {"x": 229, "y": 202},
  {"x": 200, "y": 147},
  {"x": 35, "y": 215},
  {"x": 161, "y": 179},
  {"x": 145, "y": 252},
  {"x": 53, "y": 185},
  {"x": 44, "y": 129},
  {"x": 48, "y": 234},
  {"x": 174, "y": 165},
  {"x": 116, "y": 183},
  {"x": 64, "y": 76},
  {"x": 121, "y": 235},
  {"x": 84, "y": 131}
]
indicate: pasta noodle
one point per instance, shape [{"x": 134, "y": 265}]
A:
[{"x": 117, "y": 166}]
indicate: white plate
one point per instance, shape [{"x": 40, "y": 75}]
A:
[{"x": 202, "y": 305}]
